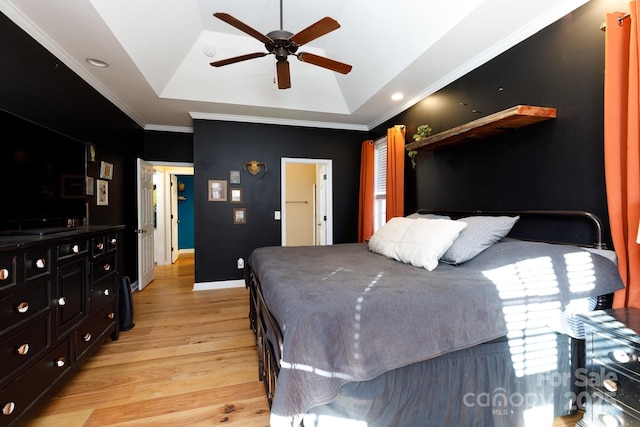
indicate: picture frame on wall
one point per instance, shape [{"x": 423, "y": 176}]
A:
[
  {"x": 103, "y": 192},
  {"x": 89, "y": 186},
  {"x": 106, "y": 170},
  {"x": 239, "y": 216},
  {"x": 236, "y": 195},
  {"x": 217, "y": 190},
  {"x": 234, "y": 177}
]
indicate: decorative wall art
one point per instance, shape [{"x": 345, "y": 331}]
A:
[
  {"x": 106, "y": 170},
  {"x": 234, "y": 177},
  {"x": 236, "y": 195},
  {"x": 217, "y": 190},
  {"x": 103, "y": 192},
  {"x": 239, "y": 216},
  {"x": 89, "y": 186}
]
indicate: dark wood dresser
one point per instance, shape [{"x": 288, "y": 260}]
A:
[
  {"x": 58, "y": 303},
  {"x": 612, "y": 376}
]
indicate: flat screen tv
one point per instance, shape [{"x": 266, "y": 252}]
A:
[{"x": 42, "y": 172}]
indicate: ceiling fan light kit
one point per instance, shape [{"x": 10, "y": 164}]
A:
[{"x": 281, "y": 44}]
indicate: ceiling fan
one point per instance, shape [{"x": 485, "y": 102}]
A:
[{"x": 282, "y": 43}]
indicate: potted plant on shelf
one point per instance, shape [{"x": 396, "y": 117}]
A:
[{"x": 423, "y": 131}]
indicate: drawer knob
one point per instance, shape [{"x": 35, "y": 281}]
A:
[
  {"x": 114, "y": 241},
  {"x": 106, "y": 267},
  {"x": 75, "y": 249},
  {"x": 621, "y": 356},
  {"x": 99, "y": 246},
  {"x": 106, "y": 292},
  {"x": 23, "y": 307},
  {"x": 87, "y": 337},
  {"x": 40, "y": 263},
  {"x": 8, "y": 408},
  {"x": 61, "y": 362},
  {"x": 23, "y": 349},
  {"x": 111, "y": 315},
  {"x": 610, "y": 385},
  {"x": 4, "y": 274},
  {"x": 62, "y": 301}
]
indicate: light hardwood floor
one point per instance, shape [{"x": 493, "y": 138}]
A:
[{"x": 190, "y": 360}]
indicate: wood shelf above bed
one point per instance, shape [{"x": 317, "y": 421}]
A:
[{"x": 502, "y": 121}]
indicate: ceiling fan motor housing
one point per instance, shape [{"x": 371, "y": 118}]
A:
[{"x": 280, "y": 45}]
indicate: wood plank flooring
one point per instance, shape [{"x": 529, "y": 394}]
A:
[{"x": 190, "y": 360}]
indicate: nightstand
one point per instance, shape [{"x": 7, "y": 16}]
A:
[{"x": 612, "y": 375}]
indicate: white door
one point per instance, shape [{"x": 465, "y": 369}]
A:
[
  {"x": 323, "y": 201},
  {"x": 174, "y": 218},
  {"x": 321, "y": 205},
  {"x": 145, "y": 230}
]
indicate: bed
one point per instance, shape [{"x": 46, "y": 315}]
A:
[{"x": 350, "y": 335}]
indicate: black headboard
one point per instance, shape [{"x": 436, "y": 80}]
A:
[{"x": 555, "y": 226}]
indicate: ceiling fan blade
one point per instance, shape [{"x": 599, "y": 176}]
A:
[
  {"x": 242, "y": 26},
  {"x": 238, "y": 59},
  {"x": 312, "y": 32},
  {"x": 284, "y": 77},
  {"x": 324, "y": 62}
]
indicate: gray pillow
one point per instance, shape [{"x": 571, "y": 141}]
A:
[{"x": 481, "y": 232}]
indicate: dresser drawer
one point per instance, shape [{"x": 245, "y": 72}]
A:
[
  {"x": 93, "y": 331},
  {"x": 103, "y": 267},
  {"x": 616, "y": 385},
  {"x": 72, "y": 249},
  {"x": 102, "y": 291},
  {"x": 112, "y": 242},
  {"x": 98, "y": 245},
  {"x": 604, "y": 412},
  {"x": 22, "y": 392},
  {"x": 7, "y": 271},
  {"x": 17, "y": 350},
  {"x": 612, "y": 351},
  {"x": 37, "y": 263},
  {"x": 22, "y": 306}
]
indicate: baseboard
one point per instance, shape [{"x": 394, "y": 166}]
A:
[{"x": 224, "y": 284}]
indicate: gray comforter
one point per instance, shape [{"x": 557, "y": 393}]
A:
[{"x": 348, "y": 314}]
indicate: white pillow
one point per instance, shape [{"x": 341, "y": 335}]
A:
[
  {"x": 427, "y": 240},
  {"x": 385, "y": 240}
]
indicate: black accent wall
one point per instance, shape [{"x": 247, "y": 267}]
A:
[{"x": 219, "y": 147}]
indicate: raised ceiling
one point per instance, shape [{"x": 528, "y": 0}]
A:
[{"x": 158, "y": 54}]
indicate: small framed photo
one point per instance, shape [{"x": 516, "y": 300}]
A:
[
  {"x": 217, "y": 190},
  {"x": 239, "y": 216},
  {"x": 103, "y": 192},
  {"x": 89, "y": 186},
  {"x": 234, "y": 177},
  {"x": 236, "y": 195},
  {"x": 106, "y": 170}
]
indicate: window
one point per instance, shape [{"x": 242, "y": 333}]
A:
[{"x": 380, "y": 187}]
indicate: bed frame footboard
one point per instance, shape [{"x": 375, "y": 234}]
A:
[{"x": 262, "y": 324}]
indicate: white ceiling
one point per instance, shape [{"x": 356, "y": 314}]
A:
[{"x": 160, "y": 76}]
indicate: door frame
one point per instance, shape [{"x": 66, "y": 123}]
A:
[
  {"x": 163, "y": 208},
  {"x": 327, "y": 163}
]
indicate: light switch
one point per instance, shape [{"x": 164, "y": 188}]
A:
[{"x": 276, "y": 215}]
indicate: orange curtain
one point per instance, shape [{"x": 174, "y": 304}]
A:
[
  {"x": 365, "y": 205},
  {"x": 395, "y": 171},
  {"x": 622, "y": 148}
]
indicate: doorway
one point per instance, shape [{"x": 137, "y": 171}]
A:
[
  {"x": 166, "y": 200},
  {"x": 306, "y": 202}
]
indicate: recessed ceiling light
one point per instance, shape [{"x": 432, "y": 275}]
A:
[
  {"x": 97, "y": 63},
  {"x": 397, "y": 96}
]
